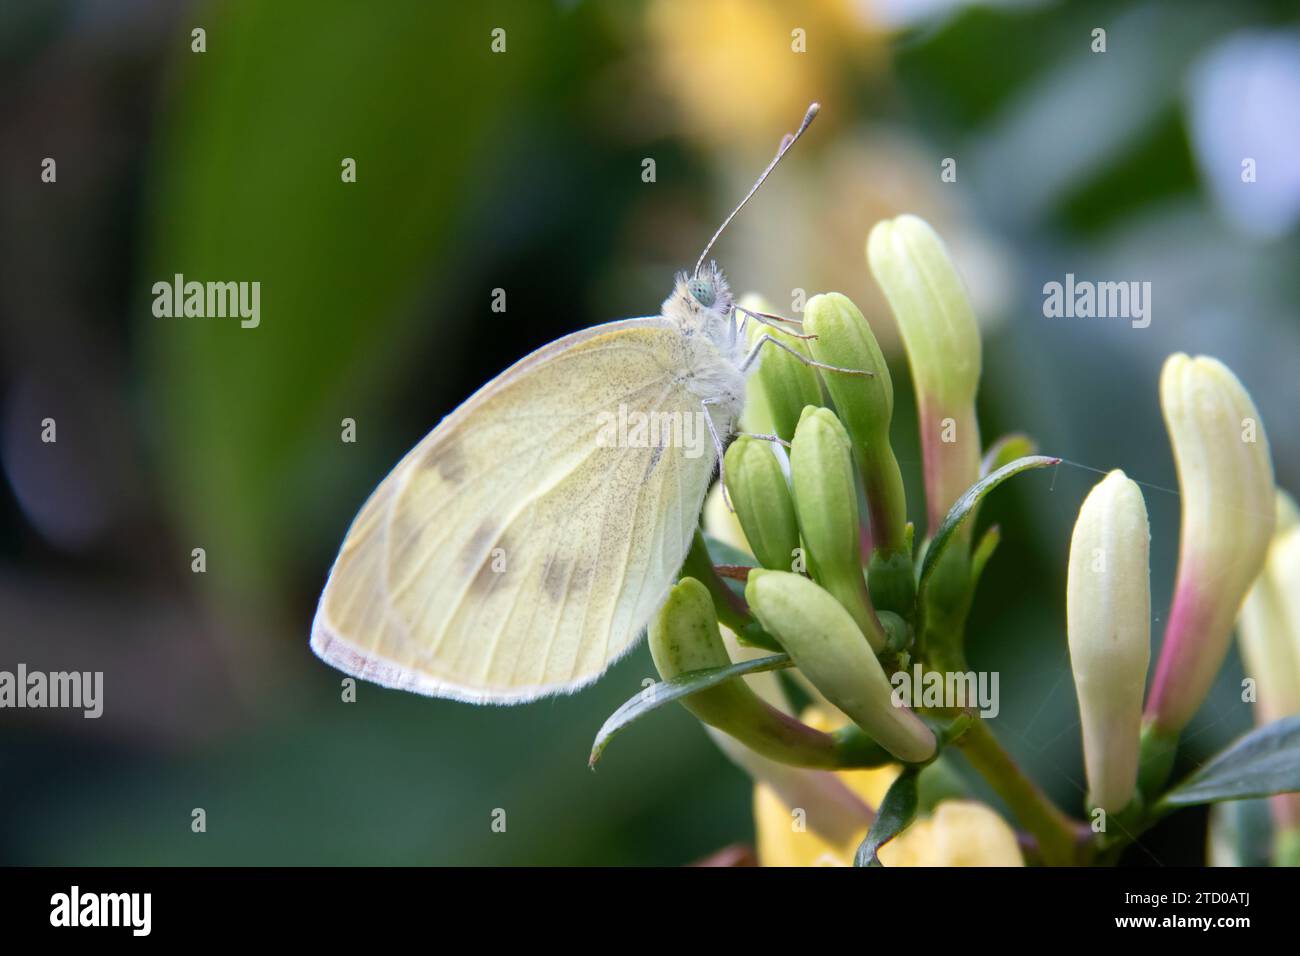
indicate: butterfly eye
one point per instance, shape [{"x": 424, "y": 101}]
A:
[{"x": 702, "y": 291}]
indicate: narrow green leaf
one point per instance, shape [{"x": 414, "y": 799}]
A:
[
  {"x": 1006, "y": 450},
  {"x": 966, "y": 504},
  {"x": 665, "y": 692},
  {"x": 1263, "y": 762},
  {"x": 988, "y": 543},
  {"x": 897, "y": 811}
]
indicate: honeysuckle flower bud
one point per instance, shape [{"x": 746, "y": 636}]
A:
[
  {"x": 826, "y": 505},
  {"x": 761, "y": 496},
  {"x": 684, "y": 637},
  {"x": 827, "y": 646},
  {"x": 721, "y": 522},
  {"x": 1108, "y": 608},
  {"x": 1286, "y": 514},
  {"x": 783, "y": 385},
  {"x": 942, "y": 341},
  {"x": 1225, "y": 477},
  {"x": 1268, "y": 632},
  {"x": 865, "y": 405},
  {"x": 1269, "y": 629}
]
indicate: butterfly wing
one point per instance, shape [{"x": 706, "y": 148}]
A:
[{"x": 511, "y": 554}]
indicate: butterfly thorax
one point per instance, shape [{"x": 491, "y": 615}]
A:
[{"x": 702, "y": 306}]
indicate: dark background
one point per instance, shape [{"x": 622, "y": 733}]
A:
[{"x": 522, "y": 171}]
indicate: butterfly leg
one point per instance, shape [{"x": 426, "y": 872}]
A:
[
  {"x": 721, "y": 452},
  {"x": 765, "y": 338},
  {"x": 770, "y": 321},
  {"x": 775, "y": 439}
]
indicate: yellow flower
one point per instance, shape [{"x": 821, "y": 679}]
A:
[
  {"x": 957, "y": 833},
  {"x": 739, "y": 69}
]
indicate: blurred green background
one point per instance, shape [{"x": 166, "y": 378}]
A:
[{"x": 522, "y": 171}]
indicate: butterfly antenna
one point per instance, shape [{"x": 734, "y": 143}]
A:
[{"x": 787, "y": 141}]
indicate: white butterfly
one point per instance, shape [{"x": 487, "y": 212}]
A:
[{"x": 513, "y": 553}]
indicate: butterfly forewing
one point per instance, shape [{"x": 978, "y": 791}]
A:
[{"x": 512, "y": 554}]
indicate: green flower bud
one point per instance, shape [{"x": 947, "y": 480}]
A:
[
  {"x": 826, "y": 504},
  {"x": 822, "y": 639},
  {"x": 865, "y": 405},
  {"x": 684, "y": 637},
  {"x": 783, "y": 384},
  {"x": 761, "y": 496},
  {"x": 1109, "y": 620},
  {"x": 942, "y": 340}
]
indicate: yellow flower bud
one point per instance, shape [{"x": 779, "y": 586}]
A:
[
  {"x": 939, "y": 331},
  {"x": 761, "y": 496},
  {"x": 828, "y": 648},
  {"x": 1225, "y": 477},
  {"x": 1268, "y": 632},
  {"x": 826, "y": 504},
  {"x": 1269, "y": 629},
  {"x": 1109, "y": 615}
]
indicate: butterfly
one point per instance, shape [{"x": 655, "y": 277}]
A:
[{"x": 524, "y": 544}]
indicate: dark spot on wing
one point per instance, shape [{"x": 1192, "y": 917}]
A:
[
  {"x": 492, "y": 566},
  {"x": 553, "y": 577},
  {"x": 450, "y": 462},
  {"x": 656, "y": 453},
  {"x": 479, "y": 542}
]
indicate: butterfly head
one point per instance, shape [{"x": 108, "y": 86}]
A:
[{"x": 702, "y": 297}]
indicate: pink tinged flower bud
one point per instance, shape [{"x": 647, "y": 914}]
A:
[
  {"x": 942, "y": 339},
  {"x": 1109, "y": 617},
  {"x": 1225, "y": 477}
]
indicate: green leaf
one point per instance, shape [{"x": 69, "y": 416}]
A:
[
  {"x": 723, "y": 553},
  {"x": 665, "y": 692},
  {"x": 1264, "y": 762},
  {"x": 247, "y": 184},
  {"x": 897, "y": 811},
  {"x": 988, "y": 543},
  {"x": 966, "y": 504},
  {"x": 1006, "y": 450}
]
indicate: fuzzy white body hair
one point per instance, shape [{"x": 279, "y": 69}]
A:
[{"x": 713, "y": 346}]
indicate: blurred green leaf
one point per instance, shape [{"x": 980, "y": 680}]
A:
[
  {"x": 250, "y": 189},
  {"x": 1264, "y": 762}
]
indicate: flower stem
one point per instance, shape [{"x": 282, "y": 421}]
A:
[{"x": 1057, "y": 835}]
